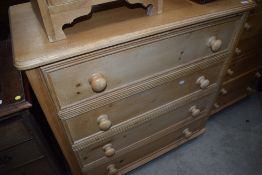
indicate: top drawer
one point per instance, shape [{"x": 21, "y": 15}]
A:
[{"x": 101, "y": 72}]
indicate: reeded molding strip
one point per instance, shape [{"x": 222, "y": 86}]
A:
[
  {"x": 121, "y": 47},
  {"x": 141, "y": 119},
  {"x": 139, "y": 86},
  {"x": 154, "y": 137}
]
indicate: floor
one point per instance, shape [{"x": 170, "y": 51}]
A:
[{"x": 232, "y": 145}]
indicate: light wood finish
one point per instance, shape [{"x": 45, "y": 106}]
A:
[
  {"x": 243, "y": 65},
  {"x": 56, "y": 13},
  {"x": 85, "y": 124},
  {"x": 144, "y": 153},
  {"x": 131, "y": 65},
  {"x": 237, "y": 88},
  {"x": 31, "y": 47},
  {"x": 124, "y": 88},
  {"x": 240, "y": 80},
  {"x": 91, "y": 151}
]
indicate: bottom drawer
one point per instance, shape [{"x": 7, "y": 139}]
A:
[
  {"x": 233, "y": 91},
  {"x": 94, "y": 152},
  {"x": 19, "y": 155},
  {"x": 40, "y": 167},
  {"x": 156, "y": 147},
  {"x": 243, "y": 65}
]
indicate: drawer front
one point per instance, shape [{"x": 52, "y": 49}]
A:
[
  {"x": 40, "y": 167},
  {"x": 150, "y": 150},
  {"x": 84, "y": 77},
  {"x": 89, "y": 123},
  {"x": 96, "y": 152},
  {"x": 12, "y": 132},
  {"x": 20, "y": 155},
  {"x": 243, "y": 65},
  {"x": 253, "y": 26},
  {"x": 238, "y": 88},
  {"x": 248, "y": 46}
]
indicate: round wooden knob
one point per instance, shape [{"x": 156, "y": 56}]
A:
[
  {"x": 249, "y": 89},
  {"x": 109, "y": 150},
  {"x": 216, "y": 105},
  {"x": 194, "y": 111},
  {"x": 238, "y": 51},
  {"x": 214, "y": 43},
  {"x": 104, "y": 123},
  {"x": 98, "y": 82},
  {"x": 187, "y": 133},
  {"x": 247, "y": 26},
  {"x": 223, "y": 91},
  {"x": 203, "y": 82},
  {"x": 258, "y": 75},
  {"x": 112, "y": 169},
  {"x": 230, "y": 72}
]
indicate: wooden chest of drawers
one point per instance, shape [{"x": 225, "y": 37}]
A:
[
  {"x": 136, "y": 87},
  {"x": 245, "y": 67}
]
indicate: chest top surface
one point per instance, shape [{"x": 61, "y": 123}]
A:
[{"x": 32, "y": 49}]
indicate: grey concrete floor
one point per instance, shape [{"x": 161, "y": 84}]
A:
[{"x": 232, "y": 145}]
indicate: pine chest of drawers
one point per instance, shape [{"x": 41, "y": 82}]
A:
[{"x": 124, "y": 88}]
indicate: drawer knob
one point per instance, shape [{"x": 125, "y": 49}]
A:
[
  {"x": 98, "y": 82},
  {"x": 238, "y": 51},
  {"x": 247, "y": 26},
  {"x": 258, "y": 75},
  {"x": 223, "y": 91},
  {"x": 187, "y": 133},
  {"x": 216, "y": 105},
  {"x": 214, "y": 43},
  {"x": 230, "y": 72},
  {"x": 112, "y": 169},
  {"x": 249, "y": 89},
  {"x": 203, "y": 82},
  {"x": 109, "y": 150},
  {"x": 103, "y": 122},
  {"x": 194, "y": 111}
]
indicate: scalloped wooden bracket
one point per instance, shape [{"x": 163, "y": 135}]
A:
[{"x": 57, "y": 13}]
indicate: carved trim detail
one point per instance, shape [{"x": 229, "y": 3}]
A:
[
  {"x": 141, "y": 119},
  {"x": 166, "y": 131},
  {"x": 65, "y": 13},
  {"x": 137, "y": 87}
]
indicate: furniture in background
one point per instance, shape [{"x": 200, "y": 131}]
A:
[
  {"x": 244, "y": 73},
  {"x": 23, "y": 148},
  {"x": 4, "y": 23},
  {"x": 124, "y": 88}
]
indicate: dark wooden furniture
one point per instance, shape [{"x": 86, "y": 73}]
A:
[{"x": 23, "y": 149}]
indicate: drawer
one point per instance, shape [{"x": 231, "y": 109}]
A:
[
  {"x": 253, "y": 26},
  {"x": 240, "y": 87},
  {"x": 12, "y": 132},
  {"x": 94, "y": 121},
  {"x": 143, "y": 126},
  {"x": 243, "y": 65},
  {"x": 41, "y": 167},
  {"x": 150, "y": 150},
  {"x": 18, "y": 156},
  {"x": 96, "y": 74},
  {"x": 247, "y": 46}
]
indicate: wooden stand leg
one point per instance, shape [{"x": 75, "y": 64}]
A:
[{"x": 154, "y": 7}]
